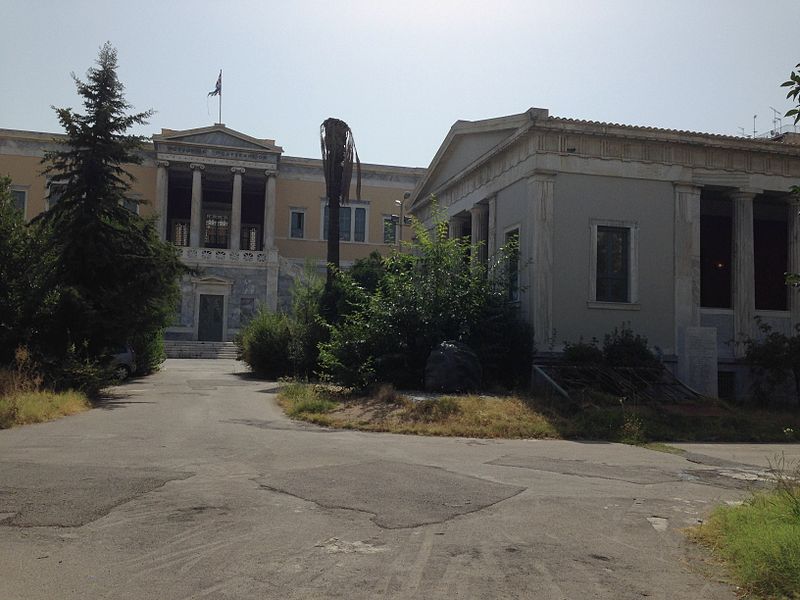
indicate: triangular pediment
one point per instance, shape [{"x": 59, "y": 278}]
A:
[
  {"x": 212, "y": 280},
  {"x": 217, "y": 136},
  {"x": 469, "y": 143}
]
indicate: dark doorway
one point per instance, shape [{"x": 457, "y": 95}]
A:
[{"x": 210, "y": 318}]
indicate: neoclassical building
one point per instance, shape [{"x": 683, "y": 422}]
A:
[
  {"x": 684, "y": 236},
  {"x": 243, "y": 214}
]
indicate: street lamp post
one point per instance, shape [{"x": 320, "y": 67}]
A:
[{"x": 401, "y": 221}]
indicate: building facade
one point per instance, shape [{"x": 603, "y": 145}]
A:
[
  {"x": 243, "y": 215},
  {"x": 684, "y": 236}
]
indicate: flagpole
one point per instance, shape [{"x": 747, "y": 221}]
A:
[{"x": 220, "y": 97}]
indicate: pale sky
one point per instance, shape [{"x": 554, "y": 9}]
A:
[{"x": 401, "y": 73}]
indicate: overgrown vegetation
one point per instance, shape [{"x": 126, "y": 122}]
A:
[
  {"x": 23, "y": 400},
  {"x": 599, "y": 417},
  {"x": 436, "y": 292},
  {"x": 759, "y": 540},
  {"x": 773, "y": 358},
  {"x": 87, "y": 275},
  {"x": 391, "y": 312}
]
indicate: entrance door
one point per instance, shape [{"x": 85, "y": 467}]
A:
[{"x": 210, "y": 326}]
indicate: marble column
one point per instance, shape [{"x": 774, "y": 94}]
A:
[
  {"x": 479, "y": 233},
  {"x": 538, "y": 242},
  {"x": 455, "y": 227},
  {"x": 236, "y": 209},
  {"x": 197, "y": 204},
  {"x": 744, "y": 296},
  {"x": 162, "y": 187},
  {"x": 269, "y": 211},
  {"x": 793, "y": 265},
  {"x": 686, "y": 258},
  {"x": 491, "y": 242}
]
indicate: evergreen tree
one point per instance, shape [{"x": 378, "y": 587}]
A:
[{"x": 110, "y": 276}]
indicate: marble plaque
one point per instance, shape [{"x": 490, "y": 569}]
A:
[{"x": 699, "y": 359}]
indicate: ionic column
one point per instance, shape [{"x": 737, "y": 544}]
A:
[
  {"x": 491, "y": 244},
  {"x": 197, "y": 204},
  {"x": 479, "y": 233},
  {"x": 236, "y": 209},
  {"x": 541, "y": 191},
  {"x": 455, "y": 227},
  {"x": 744, "y": 297},
  {"x": 269, "y": 211},
  {"x": 162, "y": 186},
  {"x": 794, "y": 258}
]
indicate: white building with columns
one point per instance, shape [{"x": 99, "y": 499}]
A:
[
  {"x": 683, "y": 236},
  {"x": 246, "y": 217}
]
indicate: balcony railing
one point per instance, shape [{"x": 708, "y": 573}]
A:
[{"x": 224, "y": 256}]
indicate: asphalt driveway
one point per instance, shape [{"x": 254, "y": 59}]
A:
[{"x": 192, "y": 484}]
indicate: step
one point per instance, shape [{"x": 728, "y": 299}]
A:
[{"x": 199, "y": 349}]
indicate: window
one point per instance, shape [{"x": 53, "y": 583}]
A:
[
  {"x": 512, "y": 248},
  {"x": 389, "y": 229},
  {"x": 250, "y": 237},
  {"x": 297, "y": 224},
  {"x": 180, "y": 232},
  {"x": 56, "y": 191},
  {"x": 131, "y": 204},
  {"x": 614, "y": 272},
  {"x": 18, "y": 198},
  {"x": 217, "y": 228},
  {"x": 352, "y": 223},
  {"x": 360, "y": 225}
]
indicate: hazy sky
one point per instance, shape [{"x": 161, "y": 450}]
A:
[{"x": 400, "y": 73}]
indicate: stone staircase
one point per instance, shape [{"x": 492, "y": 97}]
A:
[{"x": 191, "y": 349}]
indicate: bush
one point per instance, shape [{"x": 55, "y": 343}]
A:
[
  {"x": 264, "y": 344},
  {"x": 436, "y": 292},
  {"x": 149, "y": 350},
  {"x": 583, "y": 353},
  {"x": 623, "y": 348},
  {"x": 306, "y": 326}
]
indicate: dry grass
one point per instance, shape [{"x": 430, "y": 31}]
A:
[
  {"x": 23, "y": 401},
  {"x": 38, "y": 406},
  {"x": 464, "y": 416}
]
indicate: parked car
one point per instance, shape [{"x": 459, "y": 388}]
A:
[{"x": 123, "y": 361}]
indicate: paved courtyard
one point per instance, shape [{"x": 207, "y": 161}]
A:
[{"x": 192, "y": 484}]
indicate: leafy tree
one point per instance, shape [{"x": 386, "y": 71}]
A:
[
  {"x": 111, "y": 277},
  {"x": 13, "y": 266},
  {"x": 432, "y": 294},
  {"x": 793, "y": 83}
]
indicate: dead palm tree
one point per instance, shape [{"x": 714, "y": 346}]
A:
[{"x": 338, "y": 154}]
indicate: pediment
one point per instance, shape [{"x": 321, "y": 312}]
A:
[
  {"x": 217, "y": 136},
  {"x": 212, "y": 280}
]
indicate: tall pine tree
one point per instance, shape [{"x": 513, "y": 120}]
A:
[{"x": 110, "y": 277}]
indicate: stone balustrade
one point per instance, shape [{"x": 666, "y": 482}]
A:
[{"x": 224, "y": 256}]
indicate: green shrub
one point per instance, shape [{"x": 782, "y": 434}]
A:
[
  {"x": 583, "y": 353},
  {"x": 624, "y": 348},
  {"x": 434, "y": 293},
  {"x": 78, "y": 370},
  {"x": 149, "y": 350},
  {"x": 264, "y": 344},
  {"x": 306, "y": 326}
]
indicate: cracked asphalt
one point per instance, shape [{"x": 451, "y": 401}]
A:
[{"x": 192, "y": 484}]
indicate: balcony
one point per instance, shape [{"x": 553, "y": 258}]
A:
[{"x": 224, "y": 257}]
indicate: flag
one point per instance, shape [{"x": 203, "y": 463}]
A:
[{"x": 217, "y": 88}]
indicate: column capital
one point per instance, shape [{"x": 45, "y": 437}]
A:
[
  {"x": 238, "y": 170},
  {"x": 162, "y": 163},
  {"x": 744, "y": 194},
  {"x": 196, "y": 167},
  {"x": 542, "y": 175},
  {"x": 687, "y": 187},
  {"x": 270, "y": 173}
]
